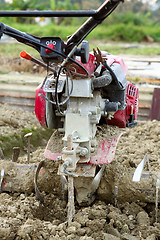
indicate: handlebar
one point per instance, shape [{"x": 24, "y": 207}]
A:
[
  {"x": 102, "y": 12},
  {"x": 23, "y": 37},
  {"x": 96, "y": 17},
  {"x": 72, "y": 13}
]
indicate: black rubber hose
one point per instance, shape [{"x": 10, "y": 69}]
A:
[
  {"x": 102, "y": 81},
  {"x": 114, "y": 78}
]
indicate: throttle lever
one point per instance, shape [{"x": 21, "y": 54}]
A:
[{"x": 27, "y": 56}]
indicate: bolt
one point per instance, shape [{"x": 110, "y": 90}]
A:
[
  {"x": 59, "y": 158},
  {"x": 84, "y": 151},
  {"x": 28, "y": 135},
  {"x": 75, "y": 138}
]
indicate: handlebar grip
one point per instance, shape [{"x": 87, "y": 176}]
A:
[{"x": 25, "y": 55}]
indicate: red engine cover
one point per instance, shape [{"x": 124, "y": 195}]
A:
[
  {"x": 90, "y": 66},
  {"x": 121, "y": 118},
  {"x": 132, "y": 99}
]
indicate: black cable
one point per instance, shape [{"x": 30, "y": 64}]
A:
[
  {"x": 114, "y": 77},
  {"x": 77, "y": 74},
  {"x": 69, "y": 93},
  {"x": 30, "y": 41},
  {"x": 56, "y": 90},
  {"x": 44, "y": 46},
  {"x": 33, "y": 43},
  {"x": 47, "y": 99}
]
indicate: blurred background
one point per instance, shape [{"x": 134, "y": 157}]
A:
[
  {"x": 131, "y": 31},
  {"x": 136, "y": 20}
]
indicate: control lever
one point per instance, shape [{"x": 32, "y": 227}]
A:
[{"x": 27, "y": 56}]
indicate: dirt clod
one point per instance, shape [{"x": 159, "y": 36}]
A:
[{"x": 23, "y": 217}]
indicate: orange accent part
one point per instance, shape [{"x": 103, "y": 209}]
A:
[
  {"x": 25, "y": 55},
  {"x": 50, "y": 46}
]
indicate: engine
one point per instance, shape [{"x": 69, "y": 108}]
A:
[
  {"x": 84, "y": 102},
  {"x": 118, "y": 98}
]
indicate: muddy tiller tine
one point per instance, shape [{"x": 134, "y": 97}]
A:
[
  {"x": 37, "y": 192},
  {"x": 71, "y": 207}
]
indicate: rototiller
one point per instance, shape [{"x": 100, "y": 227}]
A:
[{"x": 81, "y": 91}]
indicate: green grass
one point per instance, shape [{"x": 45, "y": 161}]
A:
[
  {"x": 39, "y": 135},
  {"x": 13, "y": 50},
  {"x": 49, "y": 30},
  {"x": 115, "y": 32},
  {"x": 135, "y": 49},
  {"x": 125, "y": 32},
  {"x": 102, "y": 34}
]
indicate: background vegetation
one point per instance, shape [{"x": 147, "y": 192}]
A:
[{"x": 132, "y": 21}]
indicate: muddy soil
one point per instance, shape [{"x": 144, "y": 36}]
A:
[
  {"x": 13, "y": 121},
  {"x": 22, "y": 216}
]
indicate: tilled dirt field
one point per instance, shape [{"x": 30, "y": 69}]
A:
[{"x": 23, "y": 217}]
